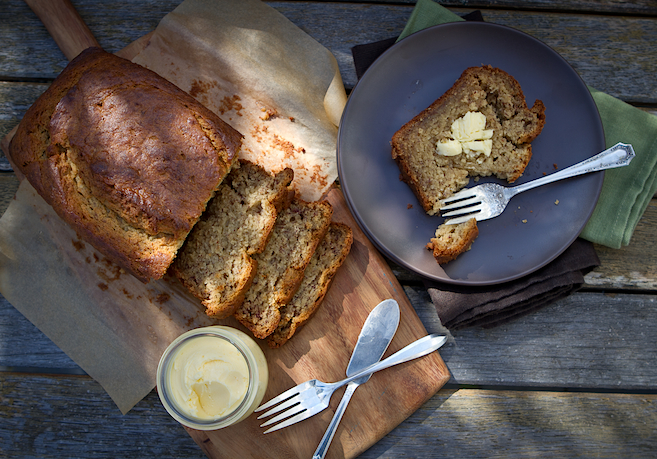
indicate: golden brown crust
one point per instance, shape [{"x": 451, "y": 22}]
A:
[
  {"x": 125, "y": 157},
  {"x": 452, "y": 240},
  {"x": 487, "y": 90},
  {"x": 329, "y": 256}
]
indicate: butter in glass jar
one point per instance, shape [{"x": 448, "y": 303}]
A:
[{"x": 212, "y": 377}]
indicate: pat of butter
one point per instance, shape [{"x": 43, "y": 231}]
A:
[
  {"x": 210, "y": 377},
  {"x": 468, "y": 136},
  {"x": 450, "y": 148}
]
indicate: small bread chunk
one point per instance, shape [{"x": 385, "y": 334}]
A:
[
  {"x": 485, "y": 90},
  {"x": 124, "y": 157},
  {"x": 216, "y": 262},
  {"x": 452, "y": 240},
  {"x": 328, "y": 257},
  {"x": 296, "y": 234}
]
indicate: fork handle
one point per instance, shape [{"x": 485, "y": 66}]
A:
[
  {"x": 617, "y": 156},
  {"x": 416, "y": 349}
]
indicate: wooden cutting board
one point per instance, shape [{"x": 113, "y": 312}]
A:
[{"x": 323, "y": 347}]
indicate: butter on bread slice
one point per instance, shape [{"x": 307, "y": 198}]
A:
[{"x": 485, "y": 90}]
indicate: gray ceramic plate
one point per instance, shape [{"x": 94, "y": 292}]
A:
[{"x": 534, "y": 229}]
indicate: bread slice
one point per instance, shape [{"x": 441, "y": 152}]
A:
[
  {"x": 328, "y": 257},
  {"x": 126, "y": 158},
  {"x": 216, "y": 263},
  {"x": 296, "y": 234},
  {"x": 452, "y": 240},
  {"x": 486, "y": 90}
]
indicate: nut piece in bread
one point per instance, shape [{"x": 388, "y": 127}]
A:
[
  {"x": 216, "y": 262},
  {"x": 487, "y": 90},
  {"x": 125, "y": 157},
  {"x": 452, "y": 240}
]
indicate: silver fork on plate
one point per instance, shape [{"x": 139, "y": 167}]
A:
[
  {"x": 311, "y": 397},
  {"x": 489, "y": 200}
]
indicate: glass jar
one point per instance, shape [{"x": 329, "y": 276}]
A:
[{"x": 212, "y": 377}]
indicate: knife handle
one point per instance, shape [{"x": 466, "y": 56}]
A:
[
  {"x": 64, "y": 24},
  {"x": 324, "y": 444}
]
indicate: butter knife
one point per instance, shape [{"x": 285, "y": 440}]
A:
[{"x": 375, "y": 336}]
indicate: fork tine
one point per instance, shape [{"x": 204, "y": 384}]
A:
[
  {"x": 465, "y": 211},
  {"x": 312, "y": 411},
  {"x": 465, "y": 203},
  {"x": 284, "y": 396},
  {"x": 458, "y": 220},
  {"x": 283, "y": 406},
  {"x": 295, "y": 410},
  {"x": 463, "y": 194}
]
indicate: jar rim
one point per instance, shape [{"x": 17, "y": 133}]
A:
[{"x": 163, "y": 388}]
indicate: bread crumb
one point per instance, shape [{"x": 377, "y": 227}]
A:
[
  {"x": 409, "y": 206},
  {"x": 268, "y": 113},
  {"x": 525, "y": 220},
  {"x": 556, "y": 203}
]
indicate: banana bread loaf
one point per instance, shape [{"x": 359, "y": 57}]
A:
[
  {"x": 435, "y": 161},
  {"x": 216, "y": 262},
  {"x": 125, "y": 157},
  {"x": 297, "y": 232},
  {"x": 328, "y": 257}
]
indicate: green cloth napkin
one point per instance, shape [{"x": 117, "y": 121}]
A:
[
  {"x": 427, "y": 13},
  {"x": 626, "y": 191}
]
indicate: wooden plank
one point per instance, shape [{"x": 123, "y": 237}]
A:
[
  {"x": 24, "y": 348},
  {"x": 633, "y": 266},
  {"x": 45, "y": 416},
  {"x": 115, "y": 24},
  {"x": 588, "y": 340},
  {"x": 637, "y": 7},
  {"x": 611, "y": 53},
  {"x": 485, "y": 424}
]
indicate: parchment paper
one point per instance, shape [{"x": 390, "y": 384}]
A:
[{"x": 263, "y": 75}]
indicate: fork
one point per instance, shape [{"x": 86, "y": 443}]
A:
[
  {"x": 311, "y": 397},
  {"x": 489, "y": 200}
]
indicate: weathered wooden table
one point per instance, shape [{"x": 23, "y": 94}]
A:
[{"x": 576, "y": 379}]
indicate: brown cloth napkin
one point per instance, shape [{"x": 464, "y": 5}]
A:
[{"x": 487, "y": 307}]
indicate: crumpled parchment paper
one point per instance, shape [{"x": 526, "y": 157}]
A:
[
  {"x": 261, "y": 74},
  {"x": 264, "y": 76}
]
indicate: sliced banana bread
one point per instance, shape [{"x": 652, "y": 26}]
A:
[
  {"x": 434, "y": 172},
  {"x": 296, "y": 234},
  {"x": 216, "y": 262},
  {"x": 452, "y": 240},
  {"x": 328, "y": 257}
]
